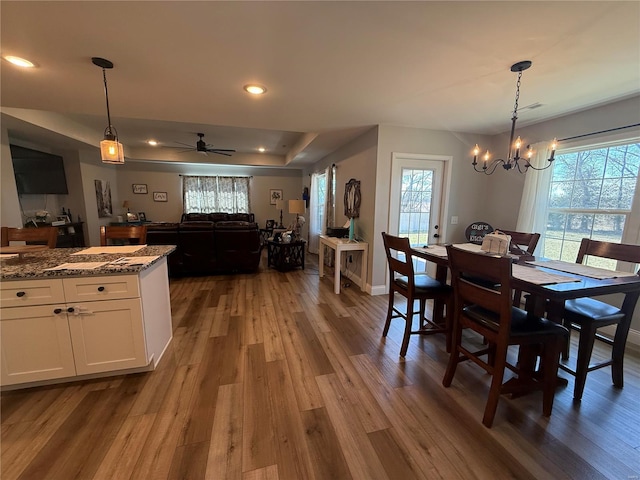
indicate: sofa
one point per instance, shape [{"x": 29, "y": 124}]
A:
[{"x": 228, "y": 244}]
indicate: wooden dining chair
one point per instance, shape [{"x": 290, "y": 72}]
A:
[
  {"x": 521, "y": 242},
  {"x": 134, "y": 234},
  {"x": 36, "y": 236},
  {"x": 490, "y": 313},
  {"x": 587, "y": 315},
  {"x": 413, "y": 286}
]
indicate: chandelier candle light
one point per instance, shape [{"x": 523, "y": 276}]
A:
[
  {"x": 513, "y": 161},
  {"x": 111, "y": 149}
]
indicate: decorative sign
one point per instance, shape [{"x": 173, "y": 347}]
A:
[{"x": 476, "y": 232}]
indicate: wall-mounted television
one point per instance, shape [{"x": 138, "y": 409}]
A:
[{"x": 38, "y": 172}]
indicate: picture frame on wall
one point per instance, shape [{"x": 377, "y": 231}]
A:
[
  {"x": 274, "y": 196},
  {"x": 159, "y": 196},
  {"x": 139, "y": 188}
]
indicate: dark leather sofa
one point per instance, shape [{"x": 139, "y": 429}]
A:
[{"x": 206, "y": 247}]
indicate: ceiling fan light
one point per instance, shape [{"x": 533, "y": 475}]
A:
[
  {"x": 255, "y": 89},
  {"x": 111, "y": 151}
]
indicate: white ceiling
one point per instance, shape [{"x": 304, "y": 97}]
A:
[{"x": 332, "y": 69}]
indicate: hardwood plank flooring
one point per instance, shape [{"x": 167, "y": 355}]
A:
[{"x": 271, "y": 376}]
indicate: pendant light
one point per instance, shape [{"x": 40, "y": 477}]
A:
[{"x": 111, "y": 149}]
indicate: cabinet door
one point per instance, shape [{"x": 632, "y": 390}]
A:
[
  {"x": 36, "y": 344},
  {"x": 107, "y": 335}
]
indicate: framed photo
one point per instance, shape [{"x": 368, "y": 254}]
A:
[
  {"x": 142, "y": 216},
  {"x": 275, "y": 195},
  {"x": 63, "y": 218},
  {"x": 132, "y": 217},
  {"x": 159, "y": 196},
  {"x": 139, "y": 188}
]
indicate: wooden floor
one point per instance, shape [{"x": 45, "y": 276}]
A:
[{"x": 273, "y": 376}]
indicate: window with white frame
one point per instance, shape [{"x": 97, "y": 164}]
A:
[
  {"x": 202, "y": 194},
  {"x": 591, "y": 195}
]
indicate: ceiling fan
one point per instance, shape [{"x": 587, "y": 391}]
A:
[{"x": 203, "y": 147}]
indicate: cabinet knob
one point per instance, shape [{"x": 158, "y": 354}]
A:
[
  {"x": 101, "y": 289},
  {"x": 21, "y": 294},
  {"x": 70, "y": 310},
  {"x": 57, "y": 311}
]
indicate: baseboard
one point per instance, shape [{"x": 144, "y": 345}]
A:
[
  {"x": 633, "y": 340},
  {"x": 378, "y": 290}
]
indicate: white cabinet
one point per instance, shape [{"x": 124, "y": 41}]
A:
[
  {"x": 35, "y": 344},
  {"x": 57, "y": 328},
  {"x": 107, "y": 336}
]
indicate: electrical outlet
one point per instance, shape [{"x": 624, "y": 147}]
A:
[
  {"x": 350, "y": 258},
  {"x": 454, "y": 220}
]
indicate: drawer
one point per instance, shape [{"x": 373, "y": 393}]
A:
[
  {"x": 101, "y": 288},
  {"x": 24, "y": 293}
]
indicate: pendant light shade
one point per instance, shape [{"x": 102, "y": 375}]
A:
[{"x": 111, "y": 150}]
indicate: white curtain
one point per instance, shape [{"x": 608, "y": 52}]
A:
[
  {"x": 535, "y": 196},
  {"x": 216, "y": 194},
  {"x": 315, "y": 220}
]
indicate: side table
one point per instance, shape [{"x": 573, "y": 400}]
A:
[{"x": 285, "y": 256}]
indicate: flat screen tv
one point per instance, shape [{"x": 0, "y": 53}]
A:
[{"x": 38, "y": 172}]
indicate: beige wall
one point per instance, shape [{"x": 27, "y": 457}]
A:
[{"x": 166, "y": 178}]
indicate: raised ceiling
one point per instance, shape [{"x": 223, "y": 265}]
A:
[{"x": 332, "y": 69}]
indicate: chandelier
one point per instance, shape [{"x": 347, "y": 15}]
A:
[
  {"x": 111, "y": 149},
  {"x": 514, "y": 160}
]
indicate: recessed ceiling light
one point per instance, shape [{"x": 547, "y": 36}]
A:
[
  {"x": 262, "y": 149},
  {"x": 20, "y": 62},
  {"x": 255, "y": 89},
  {"x": 153, "y": 143}
]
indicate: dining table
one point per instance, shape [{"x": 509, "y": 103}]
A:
[{"x": 549, "y": 282}]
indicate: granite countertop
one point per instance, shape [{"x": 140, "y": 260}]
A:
[{"x": 34, "y": 265}]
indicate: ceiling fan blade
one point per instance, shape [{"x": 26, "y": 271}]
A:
[
  {"x": 216, "y": 150},
  {"x": 220, "y": 153},
  {"x": 185, "y": 144}
]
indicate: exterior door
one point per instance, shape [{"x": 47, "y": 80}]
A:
[{"x": 416, "y": 198}]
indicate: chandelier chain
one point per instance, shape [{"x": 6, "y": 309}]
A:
[{"x": 515, "y": 107}]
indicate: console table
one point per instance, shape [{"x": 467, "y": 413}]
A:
[
  {"x": 285, "y": 256},
  {"x": 69, "y": 235},
  {"x": 339, "y": 245}
]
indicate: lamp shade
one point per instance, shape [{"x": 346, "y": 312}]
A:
[
  {"x": 296, "y": 206},
  {"x": 280, "y": 204},
  {"x": 111, "y": 151},
  {"x": 125, "y": 204}
]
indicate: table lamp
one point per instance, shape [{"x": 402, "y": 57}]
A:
[
  {"x": 280, "y": 206},
  {"x": 297, "y": 207},
  {"x": 125, "y": 205}
]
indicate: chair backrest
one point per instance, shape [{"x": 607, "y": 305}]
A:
[
  {"x": 615, "y": 251},
  {"x": 41, "y": 235},
  {"x": 526, "y": 241},
  {"x": 467, "y": 268},
  {"x": 136, "y": 234},
  {"x": 399, "y": 257}
]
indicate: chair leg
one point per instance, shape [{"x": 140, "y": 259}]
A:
[
  {"x": 456, "y": 340},
  {"x": 448, "y": 323},
  {"x": 585, "y": 347},
  {"x": 407, "y": 328},
  {"x": 549, "y": 365},
  {"x": 496, "y": 387},
  {"x": 567, "y": 345},
  {"x": 389, "y": 314},
  {"x": 617, "y": 354}
]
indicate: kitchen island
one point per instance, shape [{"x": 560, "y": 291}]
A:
[{"x": 77, "y": 313}]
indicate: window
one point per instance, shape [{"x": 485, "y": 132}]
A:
[
  {"x": 216, "y": 194},
  {"x": 415, "y": 205},
  {"x": 591, "y": 195}
]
